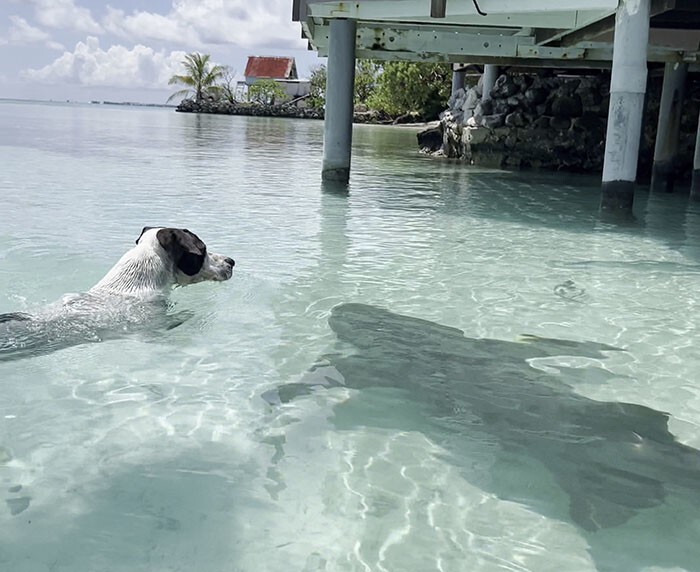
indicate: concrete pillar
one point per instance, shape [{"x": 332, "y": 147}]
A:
[
  {"x": 627, "y": 88},
  {"x": 668, "y": 128},
  {"x": 458, "y": 76},
  {"x": 340, "y": 87},
  {"x": 488, "y": 80},
  {"x": 695, "y": 185}
]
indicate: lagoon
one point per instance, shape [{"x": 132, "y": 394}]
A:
[{"x": 183, "y": 450}]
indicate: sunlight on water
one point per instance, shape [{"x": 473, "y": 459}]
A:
[{"x": 270, "y": 432}]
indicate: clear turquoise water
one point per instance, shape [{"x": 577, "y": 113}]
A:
[{"x": 172, "y": 450}]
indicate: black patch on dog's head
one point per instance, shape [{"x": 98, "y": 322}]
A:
[
  {"x": 144, "y": 229},
  {"x": 184, "y": 247}
]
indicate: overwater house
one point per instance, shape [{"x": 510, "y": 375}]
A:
[{"x": 282, "y": 70}]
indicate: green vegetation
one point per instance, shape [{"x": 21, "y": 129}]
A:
[
  {"x": 394, "y": 88},
  {"x": 367, "y": 74},
  {"x": 266, "y": 92},
  {"x": 412, "y": 87},
  {"x": 201, "y": 77},
  {"x": 317, "y": 94}
]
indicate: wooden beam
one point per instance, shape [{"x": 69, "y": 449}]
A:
[
  {"x": 506, "y": 13},
  {"x": 588, "y": 32},
  {"x": 607, "y": 25}
]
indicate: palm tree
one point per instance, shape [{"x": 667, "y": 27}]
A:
[{"x": 200, "y": 77}]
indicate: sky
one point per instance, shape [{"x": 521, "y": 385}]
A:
[{"x": 126, "y": 50}]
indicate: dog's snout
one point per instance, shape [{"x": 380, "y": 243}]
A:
[{"x": 229, "y": 261}]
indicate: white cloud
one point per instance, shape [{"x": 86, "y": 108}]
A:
[
  {"x": 55, "y": 45},
  {"x": 22, "y": 32},
  {"x": 66, "y": 15},
  {"x": 88, "y": 64},
  {"x": 149, "y": 26},
  {"x": 197, "y": 23}
]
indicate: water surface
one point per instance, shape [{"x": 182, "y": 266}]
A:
[{"x": 172, "y": 450}]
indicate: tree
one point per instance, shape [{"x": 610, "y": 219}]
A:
[
  {"x": 228, "y": 84},
  {"x": 266, "y": 92},
  {"x": 201, "y": 77},
  {"x": 317, "y": 89},
  {"x": 366, "y": 72},
  {"x": 412, "y": 87},
  {"x": 365, "y": 82}
]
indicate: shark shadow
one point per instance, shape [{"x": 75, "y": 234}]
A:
[{"x": 613, "y": 461}]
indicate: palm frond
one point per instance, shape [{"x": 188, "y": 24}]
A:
[
  {"x": 199, "y": 74},
  {"x": 182, "y": 94},
  {"x": 183, "y": 79}
]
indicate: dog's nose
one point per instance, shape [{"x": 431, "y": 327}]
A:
[{"x": 229, "y": 261}]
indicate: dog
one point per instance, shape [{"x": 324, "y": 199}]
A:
[{"x": 132, "y": 294}]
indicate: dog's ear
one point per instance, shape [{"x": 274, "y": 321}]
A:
[
  {"x": 184, "y": 247},
  {"x": 144, "y": 229}
]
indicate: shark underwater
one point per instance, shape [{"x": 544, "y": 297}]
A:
[{"x": 616, "y": 463}]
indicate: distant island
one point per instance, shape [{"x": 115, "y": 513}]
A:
[{"x": 131, "y": 103}]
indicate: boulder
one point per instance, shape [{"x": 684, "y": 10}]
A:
[
  {"x": 541, "y": 122},
  {"x": 471, "y": 100},
  {"x": 504, "y": 87},
  {"x": 493, "y": 121},
  {"x": 560, "y": 123},
  {"x": 535, "y": 95},
  {"x": 515, "y": 119},
  {"x": 567, "y": 106},
  {"x": 484, "y": 107}
]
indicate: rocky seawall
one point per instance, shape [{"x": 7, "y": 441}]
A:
[
  {"x": 361, "y": 114},
  {"x": 257, "y": 110},
  {"x": 548, "y": 122}
]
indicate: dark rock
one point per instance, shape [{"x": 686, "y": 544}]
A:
[
  {"x": 515, "y": 101},
  {"x": 541, "y": 122},
  {"x": 604, "y": 106},
  {"x": 484, "y": 107},
  {"x": 523, "y": 81},
  {"x": 504, "y": 87},
  {"x": 560, "y": 123},
  {"x": 227, "y": 108},
  {"x": 515, "y": 119},
  {"x": 589, "y": 121},
  {"x": 501, "y": 106},
  {"x": 570, "y": 86},
  {"x": 552, "y": 122},
  {"x": 430, "y": 140},
  {"x": 567, "y": 106},
  {"x": 493, "y": 121},
  {"x": 535, "y": 95}
]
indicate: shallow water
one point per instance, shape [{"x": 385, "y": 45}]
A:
[{"x": 172, "y": 450}]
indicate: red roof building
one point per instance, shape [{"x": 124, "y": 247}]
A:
[{"x": 263, "y": 67}]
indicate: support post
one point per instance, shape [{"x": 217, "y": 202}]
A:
[
  {"x": 458, "y": 76},
  {"x": 488, "y": 80},
  {"x": 695, "y": 185},
  {"x": 668, "y": 128},
  {"x": 627, "y": 88},
  {"x": 340, "y": 88}
]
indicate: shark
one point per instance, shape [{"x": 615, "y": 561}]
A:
[{"x": 613, "y": 463}]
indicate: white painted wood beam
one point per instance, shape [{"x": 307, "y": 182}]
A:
[{"x": 567, "y": 14}]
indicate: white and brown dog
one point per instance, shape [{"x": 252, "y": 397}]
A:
[{"x": 133, "y": 293}]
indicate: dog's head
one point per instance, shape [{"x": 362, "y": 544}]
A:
[{"x": 190, "y": 260}]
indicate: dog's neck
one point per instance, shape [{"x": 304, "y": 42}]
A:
[{"x": 140, "y": 271}]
